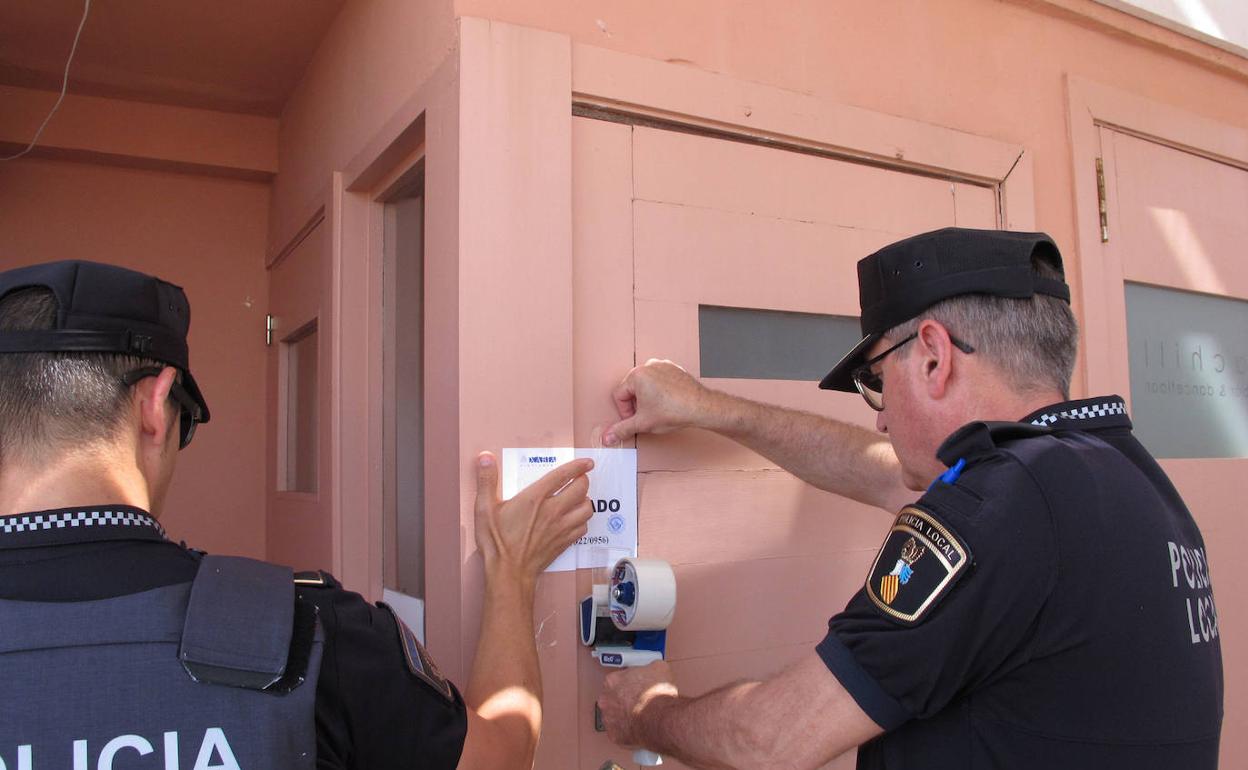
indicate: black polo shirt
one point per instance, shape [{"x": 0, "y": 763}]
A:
[
  {"x": 371, "y": 710},
  {"x": 1047, "y": 605}
]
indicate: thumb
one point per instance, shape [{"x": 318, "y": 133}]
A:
[
  {"x": 487, "y": 482},
  {"x": 621, "y": 431}
]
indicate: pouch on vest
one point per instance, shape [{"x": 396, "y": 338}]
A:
[{"x": 98, "y": 684}]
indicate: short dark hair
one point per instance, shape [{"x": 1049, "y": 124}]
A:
[
  {"x": 1033, "y": 341},
  {"x": 54, "y": 401}
]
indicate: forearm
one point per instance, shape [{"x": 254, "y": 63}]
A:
[
  {"x": 505, "y": 687},
  {"x": 800, "y": 718},
  {"x": 835, "y": 456},
  {"x": 713, "y": 731}
]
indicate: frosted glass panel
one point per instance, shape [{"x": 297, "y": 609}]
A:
[
  {"x": 751, "y": 344},
  {"x": 1189, "y": 372}
]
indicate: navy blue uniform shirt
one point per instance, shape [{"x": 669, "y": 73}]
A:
[
  {"x": 1048, "y": 607},
  {"x": 372, "y": 712}
]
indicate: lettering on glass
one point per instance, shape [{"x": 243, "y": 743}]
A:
[{"x": 1189, "y": 372}]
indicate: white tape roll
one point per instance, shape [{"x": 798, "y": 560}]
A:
[{"x": 643, "y": 594}]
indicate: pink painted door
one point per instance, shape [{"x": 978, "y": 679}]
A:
[
  {"x": 667, "y": 228},
  {"x": 1177, "y": 295},
  {"x": 298, "y": 526}
]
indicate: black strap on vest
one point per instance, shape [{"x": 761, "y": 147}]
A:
[{"x": 231, "y": 635}]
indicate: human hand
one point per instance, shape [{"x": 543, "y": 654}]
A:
[
  {"x": 629, "y": 691},
  {"x": 524, "y": 534},
  {"x": 656, "y": 397}
]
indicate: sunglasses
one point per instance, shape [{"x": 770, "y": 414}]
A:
[
  {"x": 871, "y": 385},
  {"x": 191, "y": 413}
]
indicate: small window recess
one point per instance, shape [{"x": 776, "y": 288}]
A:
[
  {"x": 757, "y": 344},
  {"x": 299, "y": 381}
]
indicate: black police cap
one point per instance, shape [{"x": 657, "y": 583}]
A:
[
  {"x": 107, "y": 309},
  {"x": 901, "y": 280}
]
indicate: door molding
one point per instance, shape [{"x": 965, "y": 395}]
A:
[
  {"x": 275, "y": 259},
  {"x": 1093, "y": 106},
  {"x": 426, "y": 125},
  {"x": 673, "y": 96}
]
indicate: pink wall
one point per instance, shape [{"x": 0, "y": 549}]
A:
[
  {"x": 376, "y": 55},
  {"x": 208, "y": 236}
]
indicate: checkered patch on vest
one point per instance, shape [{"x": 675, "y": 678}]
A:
[
  {"x": 919, "y": 562},
  {"x": 417, "y": 657}
]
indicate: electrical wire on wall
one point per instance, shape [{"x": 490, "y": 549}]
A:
[{"x": 86, "y": 9}]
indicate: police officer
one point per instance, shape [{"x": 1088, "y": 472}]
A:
[
  {"x": 120, "y": 648},
  {"x": 1042, "y": 597}
]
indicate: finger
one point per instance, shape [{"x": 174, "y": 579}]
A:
[
  {"x": 576, "y": 517},
  {"x": 579, "y": 532},
  {"x": 487, "y": 482},
  {"x": 625, "y": 396},
  {"x": 570, "y": 498},
  {"x": 622, "y": 431},
  {"x": 575, "y": 490},
  {"x": 557, "y": 479},
  {"x": 583, "y": 512},
  {"x": 575, "y": 523},
  {"x": 559, "y": 541}
]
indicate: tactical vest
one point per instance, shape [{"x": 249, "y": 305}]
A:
[{"x": 218, "y": 673}]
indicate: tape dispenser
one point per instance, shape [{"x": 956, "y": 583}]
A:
[{"x": 625, "y": 621}]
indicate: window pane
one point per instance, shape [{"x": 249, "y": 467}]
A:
[
  {"x": 1189, "y": 372},
  {"x": 771, "y": 344},
  {"x": 300, "y": 350}
]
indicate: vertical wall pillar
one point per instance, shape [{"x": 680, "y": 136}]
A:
[{"x": 515, "y": 312}]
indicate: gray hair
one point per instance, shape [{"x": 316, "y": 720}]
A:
[
  {"x": 55, "y": 401},
  {"x": 1032, "y": 341}
]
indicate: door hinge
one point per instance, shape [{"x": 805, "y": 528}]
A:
[
  {"x": 268, "y": 330},
  {"x": 1102, "y": 203}
]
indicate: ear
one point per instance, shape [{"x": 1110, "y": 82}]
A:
[
  {"x": 152, "y": 399},
  {"x": 935, "y": 351}
]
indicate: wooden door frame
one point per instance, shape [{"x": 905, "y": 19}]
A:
[
  {"x": 1099, "y": 291},
  {"x": 425, "y": 127}
]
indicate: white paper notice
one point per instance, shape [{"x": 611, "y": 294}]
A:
[{"x": 612, "y": 531}]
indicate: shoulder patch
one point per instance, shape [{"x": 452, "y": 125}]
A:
[
  {"x": 417, "y": 657},
  {"x": 919, "y": 562}
]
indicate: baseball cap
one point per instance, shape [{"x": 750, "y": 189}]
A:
[
  {"x": 903, "y": 279},
  {"x": 107, "y": 309}
]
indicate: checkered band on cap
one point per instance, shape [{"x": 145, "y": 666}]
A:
[
  {"x": 1091, "y": 411},
  {"x": 50, "y": 521}
]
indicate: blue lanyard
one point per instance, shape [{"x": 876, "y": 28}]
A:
[{"x": 950, "y": 476}]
